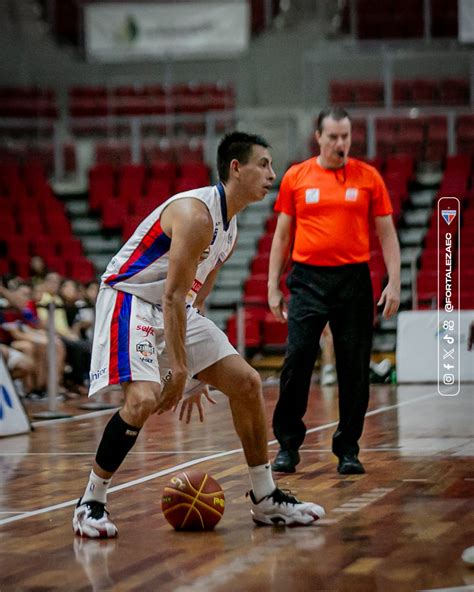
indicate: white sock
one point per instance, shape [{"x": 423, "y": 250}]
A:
[
  {"x": 262, "y": 481},
  {"x": 96, "y": 489}
]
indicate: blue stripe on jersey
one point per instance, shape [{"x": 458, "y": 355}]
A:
[
  {"x": 221, "y": 190},
  {"x": 157, "y": 249},
  {"x": 124, "y": 370}
]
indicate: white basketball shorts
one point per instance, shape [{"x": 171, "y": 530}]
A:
[{"x": 129, "y": 342}]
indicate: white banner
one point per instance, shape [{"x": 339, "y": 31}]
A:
[
  {"x": 466, "y": 21},
  {"x": 418, "y": 335},
  {"x": 123, "y": 32},
  {"x": 13, "y": 419}
]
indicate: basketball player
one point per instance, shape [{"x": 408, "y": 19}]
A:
[{"x": 150, "y": 337}]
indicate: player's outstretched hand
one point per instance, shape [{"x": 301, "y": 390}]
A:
[
  {"x": 195, "y": 400},
  {"x": 171, "y": 394}
]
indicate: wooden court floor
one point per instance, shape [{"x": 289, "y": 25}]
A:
[{"x": 400, "y": 527}]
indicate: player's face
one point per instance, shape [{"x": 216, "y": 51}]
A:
[
  {"x": 334, "y": 141},
  {"x": 257, "y": 174}
]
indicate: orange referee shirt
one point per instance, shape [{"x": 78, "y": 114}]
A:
[{"x": 332, "y": 208}]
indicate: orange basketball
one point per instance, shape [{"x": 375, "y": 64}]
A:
[{"x": 193, "y": 500}]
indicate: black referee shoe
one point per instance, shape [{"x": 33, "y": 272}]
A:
[
  {"x": 349, "y": 464},
  {"x": 286, "y": 461}
]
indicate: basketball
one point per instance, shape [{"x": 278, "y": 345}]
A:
[{"x": 193, "y": 500}]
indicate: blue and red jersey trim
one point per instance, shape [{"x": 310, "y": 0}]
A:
[
  {"x": 119, "y": 362},
  {"x": 152, "y": 246}
]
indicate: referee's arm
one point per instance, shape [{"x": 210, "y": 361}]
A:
[
  {"x": 387, "y": 234},
  {"x": 282, "y": 240}
]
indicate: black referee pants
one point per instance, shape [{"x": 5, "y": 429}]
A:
[{"x": 343, "y": 296}]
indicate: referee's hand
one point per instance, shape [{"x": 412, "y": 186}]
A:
[
  {"x": 277, "y": 305},
  {"x": 391, "y": 299}
]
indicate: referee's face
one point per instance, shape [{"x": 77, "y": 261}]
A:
[{"x": 334, "y": 141}]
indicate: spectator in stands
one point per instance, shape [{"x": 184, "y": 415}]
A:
[
  {"x": 50, "y": 293},
  {"x": 73, "y": 304},
  {"x": 22, "y": 326},
  {"x": 325, "y": 205},
  {"x": 87, "y": 312},
  {"x": 21, "y": 368},
  {"x": 152, "y": 340},
  {"x": 38, "y": 270},
  {"x": 77, "y": 350}
]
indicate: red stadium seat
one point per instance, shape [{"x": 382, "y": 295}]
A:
[
  {"x": 69, "y": 247},
  {"x": 253, "y": 320},
  {"x": 368, "y": 93},
  {"x": 21, "y": 266},
  {"x": 259, "y": 264},
  {"x": 81, "y": 269},
  {"x": 43, "y": 246},
  {"x": 16, "y": 246},
  {"x": 196, "y": 170},
  {"x": 454, "y": 91},
  {"x": 57, "y": 264},
  {"x": 341, "y": 93},
  {"x": 275, "y": 334},
  {"x": 265, "y": 243},
  {"x": 100, "y": 191},
  {"x": 114, "y": 215},
  {"x": 142, "y": 207},
  {"x": 164, "y": 169},
  {"x": 425, "y": 92},
  {"x": 130, "y": 226}
]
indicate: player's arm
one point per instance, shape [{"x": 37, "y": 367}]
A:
[
  {"x": 208, "y": 284},
  {"x": 279, "y": 253},
  {"x": 188, "y": 223},
  {"x": 387, "y": 234}
]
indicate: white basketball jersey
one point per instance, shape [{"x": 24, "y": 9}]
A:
[{"x": 141, "y": 265}]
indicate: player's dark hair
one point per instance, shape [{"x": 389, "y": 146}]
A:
[
  {"x": 236, "y": 145},
  {"x": 336, "y": 113}
]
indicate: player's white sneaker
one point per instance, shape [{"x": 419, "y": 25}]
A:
[
  {"x": 91, "y": 520},
  {"x": 282, "y": 508}
]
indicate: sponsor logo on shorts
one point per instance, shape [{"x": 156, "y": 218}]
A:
[
  {"x": 93, "y": 376},
  {"x": 146, "y": 351},
  {"x": 146, "y": 329}
]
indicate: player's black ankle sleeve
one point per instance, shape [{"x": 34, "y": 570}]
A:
[{"x": 117, "y": 439}]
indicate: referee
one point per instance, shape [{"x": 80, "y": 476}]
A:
[{"x": 325, "y": 206}]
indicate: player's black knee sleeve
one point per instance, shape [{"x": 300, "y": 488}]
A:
[{"x": 117, "y": 439}]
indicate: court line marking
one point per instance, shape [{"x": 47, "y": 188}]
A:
[
  {"x": 469, "y": 587},
  {"x": 92, "y": 452},
  {"x": 81, "y": 416},
  {"x": 165, "y": 452},
  {"x": 200, "y": 460}
]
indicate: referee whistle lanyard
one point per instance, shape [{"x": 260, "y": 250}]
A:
[{"x": 344, "y": 176}]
